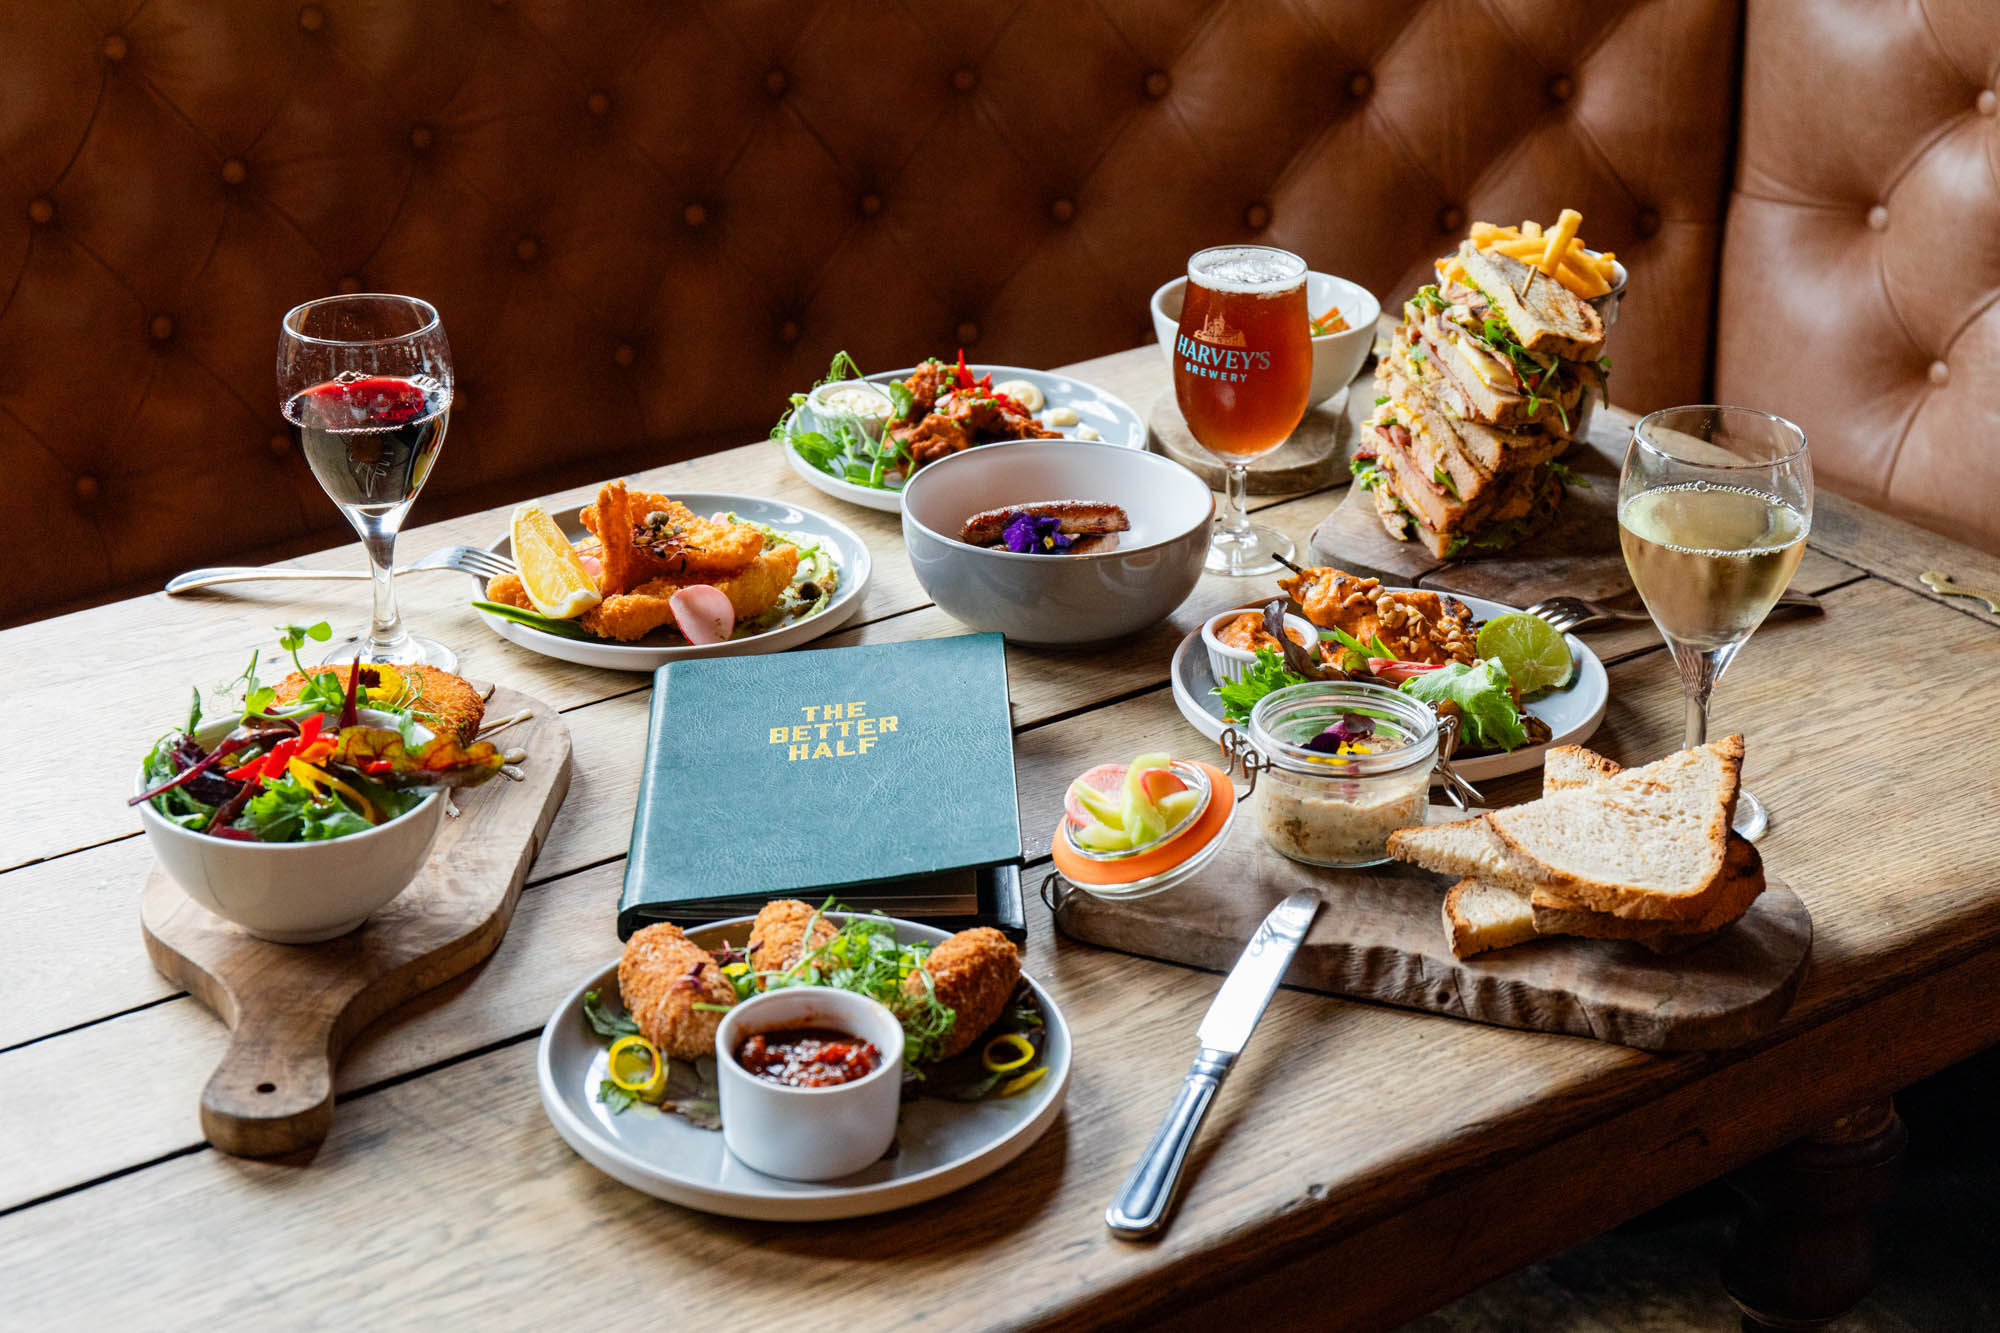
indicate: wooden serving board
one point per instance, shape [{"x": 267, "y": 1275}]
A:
[
  {"x": 1578, "y": 554},
  {"x": 1381, "y": 937},
  {"x": 1315, "y": 456},
  {"x": 293, "y": 1008}
]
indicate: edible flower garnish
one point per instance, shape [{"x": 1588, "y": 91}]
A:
[
  {"x": 1344, "y": 736},
  {"x": 1028, "y": 534}
]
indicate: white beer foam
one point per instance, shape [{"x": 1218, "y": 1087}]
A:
[{"x": 1250, "y": 269}]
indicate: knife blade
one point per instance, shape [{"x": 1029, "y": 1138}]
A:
[{"x": 1146, "y": 1198}]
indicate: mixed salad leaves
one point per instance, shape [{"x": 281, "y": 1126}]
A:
[
  {"x": 864, "y": 956},
  {"x": 844, "y": 449},
  {"x": 310, "y": 768},
  {"x": 1518, "y": 661}
]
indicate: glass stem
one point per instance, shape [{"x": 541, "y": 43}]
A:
[
  {"x": 1235, "y": 490},
  {"x": 1700, "y": 669},
  {"x": 378, "y": 537}
]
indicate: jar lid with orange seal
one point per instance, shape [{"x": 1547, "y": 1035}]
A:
[{"x": 1158, "y": 863}]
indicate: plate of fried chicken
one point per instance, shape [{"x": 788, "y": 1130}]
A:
[{"x": 784, "y": 575}]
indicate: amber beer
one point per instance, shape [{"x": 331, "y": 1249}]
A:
[{"x": 1243, "y": 354}]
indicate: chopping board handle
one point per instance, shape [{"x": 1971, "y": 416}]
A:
[{"x": 273, "y": 1091}]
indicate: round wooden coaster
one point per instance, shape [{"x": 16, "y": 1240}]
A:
[{"x": 1315, "y": 456}]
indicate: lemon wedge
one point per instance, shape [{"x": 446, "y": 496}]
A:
[{"x": 555, "y": 580}]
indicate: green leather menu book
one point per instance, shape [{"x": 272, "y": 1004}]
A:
[{"x": 883, "y": 775}]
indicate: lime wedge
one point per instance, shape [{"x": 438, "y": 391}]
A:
[{"x": 1534, "y": 656}]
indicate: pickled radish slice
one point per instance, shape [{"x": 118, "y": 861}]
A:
[
  {"x": 703, "y": 613},
  {"x": 1105, "y": 779},
  {"x": 1160, "y": 783}
]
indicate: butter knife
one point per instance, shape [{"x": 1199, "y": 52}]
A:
[{"x": 1147, "y": 1196}]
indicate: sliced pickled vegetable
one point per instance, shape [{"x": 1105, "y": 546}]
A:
[{"x": 1009, "y": 1050}]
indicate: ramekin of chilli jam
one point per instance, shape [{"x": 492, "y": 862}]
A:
[{"x": 810, "y": 1079}]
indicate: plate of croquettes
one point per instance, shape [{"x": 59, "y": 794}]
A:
[
  {"x": 788, "y": 575},
  {"x": 985, "y": 1068}
]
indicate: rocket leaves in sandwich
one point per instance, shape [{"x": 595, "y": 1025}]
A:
[
  {"x": 1367, "y": 472},
  {"x": 1486, "y": 705}
]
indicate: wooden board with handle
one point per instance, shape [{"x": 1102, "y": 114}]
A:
[
  {"x": 292, "y": 1009},
  {"x": 1381, "y": 937}
]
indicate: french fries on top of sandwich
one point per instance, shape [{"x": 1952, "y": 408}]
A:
[{"x": 1557, "y": 252}]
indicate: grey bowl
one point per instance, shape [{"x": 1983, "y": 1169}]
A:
[{"x": 1059, "y": 598}]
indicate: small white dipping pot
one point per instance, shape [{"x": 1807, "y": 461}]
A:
[
  {"x": 1229, "y": 664},
  {"x": 809, "y": 1133}
]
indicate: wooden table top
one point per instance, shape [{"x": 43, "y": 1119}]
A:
[{"x": 1379, "y": 1161}]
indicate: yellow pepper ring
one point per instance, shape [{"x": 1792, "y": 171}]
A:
[
  {"x": 315, "y": 778},
  {"x": 1006, "y": 1041},
  {"x": 1022, "y": 1082},
  {"x": 656, "y": 1078}
]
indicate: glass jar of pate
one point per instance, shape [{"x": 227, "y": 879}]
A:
[{"x": 1329, "y": 803}]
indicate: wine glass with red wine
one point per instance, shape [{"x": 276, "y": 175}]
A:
[{"x": 365, "y": 384}]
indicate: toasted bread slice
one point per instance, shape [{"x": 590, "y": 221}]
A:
[
  {"x": 1647, "y": 843},
  {"x": 1546, "y": 316},
  {"x": 1480, "y": 915}
]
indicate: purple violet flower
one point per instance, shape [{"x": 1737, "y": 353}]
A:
[
  {"x": 1028, "y": 535},
  {"x": 1351, "y": 727}
]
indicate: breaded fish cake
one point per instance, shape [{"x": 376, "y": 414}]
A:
[
  {"x": 660, "y": 976},
  {"x": 445, "y": 703},
  {"x": 974, "y": 973},
  {"x": 778, "y": 936}
]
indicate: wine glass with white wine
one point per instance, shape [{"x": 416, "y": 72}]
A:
[{"x": 1714, "y": 506}]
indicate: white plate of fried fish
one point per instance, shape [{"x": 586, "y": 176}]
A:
[{"x": 777, "y": 591}]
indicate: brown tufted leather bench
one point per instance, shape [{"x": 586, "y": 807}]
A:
[{"x": 646, "y": 223}]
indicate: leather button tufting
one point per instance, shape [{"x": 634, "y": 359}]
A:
[
  {"x": 278, "y": 445},
  {"x": 624, "y": 355},
  {"x": 965, "y": 78},
  {"x": 116, "y": 47},
  {"x": 597, "y": 103},
  {"x": 968, "y": 333},
  {"x": 527, "y": 249},
  {"x": 233, "y": 171},
  {"x": 1940, "y": 374},
  {"x": 694, "y": 215},
  {"x": 1360, "y": 83},
  {"x": 87, "y": 487},
  {"x": 348, "y": 285},
  {"x": 1157, "y": 84},
  {"x": 420, "y": 137},
  {"x": 1451, "y": 218},
  {"x": 775, "y": 82},
  {"x": 870, "y": 204},
  {"x": 41, "y": 211},
  {"x": 1878, "y": 218},
  {"x": 1062, "y": 210},
  {"x": 160, "y": 328},
  {"x": 1988, "y": 103},
  {"x": 1648, "y": 222},
  {"x": 1561, "y": 88},
  {"x": 312, "y": 18},
  {"x": 1257, "y": 216},
  {"x": 789, "y": 331}
]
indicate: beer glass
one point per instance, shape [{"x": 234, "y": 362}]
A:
[
  {"x": 1713, "y": 510},
  {"x": 1242, "y": 374}
]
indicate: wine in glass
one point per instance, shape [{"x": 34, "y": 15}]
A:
[
  {"x": 1714, "y": 505},
  {"x": 1242, "y": 375},
  {"x": 365, "y": 384}
]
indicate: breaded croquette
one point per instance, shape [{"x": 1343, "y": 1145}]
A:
[
  {"x": 974, "y": 974},
  {"x": 778, "y": 936},
  {"x": 445, "y": 703},
  {"x": 660, "y": 976}
]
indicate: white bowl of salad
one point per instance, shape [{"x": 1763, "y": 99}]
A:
[{"x": 298, "y": 821}]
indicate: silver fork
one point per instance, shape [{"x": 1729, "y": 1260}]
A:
[
  {"x": 480, "y": 563},
  {"x": 1574, "y": 615}
]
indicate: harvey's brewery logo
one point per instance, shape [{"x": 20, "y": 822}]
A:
[
  {"x": 1216, "y": 352},
  {"x": 833, "y": 731}
]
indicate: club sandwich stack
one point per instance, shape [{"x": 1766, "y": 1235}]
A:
[{"x": 1481, "y": 391}]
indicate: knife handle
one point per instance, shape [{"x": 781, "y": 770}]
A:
[{"x": 1147, "y": 1195}]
